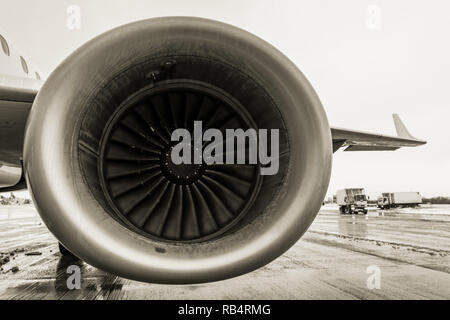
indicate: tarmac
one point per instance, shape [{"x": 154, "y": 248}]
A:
[{"x": 384, "y": 255}]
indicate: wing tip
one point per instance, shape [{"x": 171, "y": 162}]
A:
[{"x": 402, "y": 131}]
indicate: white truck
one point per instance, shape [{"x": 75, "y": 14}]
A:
[
  {"x": 399, "y": 199},
  {"x": 351, "y": 200}
]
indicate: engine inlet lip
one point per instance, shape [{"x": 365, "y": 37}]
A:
[{"x": 161, "y": 87}]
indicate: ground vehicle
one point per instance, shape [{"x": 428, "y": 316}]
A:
[
  {"x": 383, "y": 202},
  {"x": 351, "y": 200},
  {"x": 399, "y": 199},
  {"x": 97, "y": 141}
]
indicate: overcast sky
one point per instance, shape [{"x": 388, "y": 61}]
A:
[{"x": 366, "y": 60}]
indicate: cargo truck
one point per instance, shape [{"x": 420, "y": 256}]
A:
[
  {"x": 383, "y": 202},
  {"x": 352, "y": 200},
  {"x": 399, "y": 199}
]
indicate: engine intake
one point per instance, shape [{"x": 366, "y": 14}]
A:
[{"x": 98, "y": 145}]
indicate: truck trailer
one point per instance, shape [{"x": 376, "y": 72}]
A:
[
  {"x": 399, "y": 199},
  {"x": 351, "y": 200}
]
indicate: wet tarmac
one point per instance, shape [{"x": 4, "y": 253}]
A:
[{"x": 338, "y": 258}]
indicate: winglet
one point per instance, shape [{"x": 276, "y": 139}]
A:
[
  {"x": 402, "y": 132},
  {"x": 366, "y": 141}
]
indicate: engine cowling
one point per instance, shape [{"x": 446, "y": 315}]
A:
[{"x": 98, "y": 144}]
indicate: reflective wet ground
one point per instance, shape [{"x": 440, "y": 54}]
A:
[{"x": 338, "y": 258}]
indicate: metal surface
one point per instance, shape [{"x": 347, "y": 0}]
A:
[
  {"x": 152, "y": 195},
  {"x": 78, "y": 218},
  {"x": 9, "y": 176},
  {"x": 366, "y": 141},
  {"x": 17, "y": 92},
  {"x": 13, "y": 116}
]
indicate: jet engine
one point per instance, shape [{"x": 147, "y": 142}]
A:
[{"x": 99, "y": 139}]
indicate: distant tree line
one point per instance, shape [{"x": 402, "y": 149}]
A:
[
  {"x": 436, "y": 200},
  {"x": 12, "y": 200}
]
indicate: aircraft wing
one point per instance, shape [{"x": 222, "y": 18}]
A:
[
  {"x": 17, "y": 94},
  {"x": 365, "y": 141}
]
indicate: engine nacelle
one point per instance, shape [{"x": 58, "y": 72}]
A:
[{"x": 98, "y": 148}]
